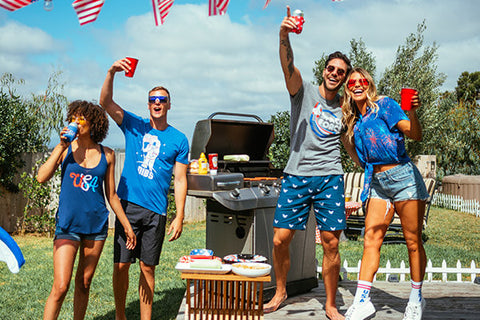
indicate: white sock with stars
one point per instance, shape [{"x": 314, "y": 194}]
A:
[
  {"x": 416, "y": 293},
  {"x": 363, "y": 291}
]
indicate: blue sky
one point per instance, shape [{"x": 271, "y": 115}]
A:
[{"x": 222, "y": 63}]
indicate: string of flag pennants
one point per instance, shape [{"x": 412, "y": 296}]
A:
[{"x": 88, "y": 10}]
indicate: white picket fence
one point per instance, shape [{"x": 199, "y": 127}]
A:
[
  {"x": 429, "y": 272},
  {"x": 457, "y": 203}
]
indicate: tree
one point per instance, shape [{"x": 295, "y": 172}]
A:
[
  {"x": 26, "y": 124},
  {"x": 280, "y": 149},
  {"x": 457, "y": 137},
  {"x": 416, "y": 69},
  {"x": 468, "y": 87}
]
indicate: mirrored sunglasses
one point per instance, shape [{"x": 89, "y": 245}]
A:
[{"x": 157, "y": 99}]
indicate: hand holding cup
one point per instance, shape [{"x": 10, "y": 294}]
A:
[
  {"x": 132, "y": 66},
  {"x": 409, "y": 99}
]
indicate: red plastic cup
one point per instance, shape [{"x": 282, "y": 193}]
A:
[
  {"x": 133, "y": 66},
  {"x": 213, "y": 162},
  {"x": 406, "y": 98}
]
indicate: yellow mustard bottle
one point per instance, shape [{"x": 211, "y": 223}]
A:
[{"x": 202, "y": 164}]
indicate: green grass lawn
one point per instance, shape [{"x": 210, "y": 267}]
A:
[{"x": 451, "y": 236}]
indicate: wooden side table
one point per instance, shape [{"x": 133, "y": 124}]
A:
[{"x": 224, "y": 297}]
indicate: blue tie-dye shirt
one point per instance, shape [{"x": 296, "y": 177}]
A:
[{"x": 378, "y": 140}]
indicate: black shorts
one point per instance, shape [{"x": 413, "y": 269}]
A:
[{"x": 149, "y": 228}]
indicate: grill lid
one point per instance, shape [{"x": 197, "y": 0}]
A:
[{"x": 224, "y": 136}]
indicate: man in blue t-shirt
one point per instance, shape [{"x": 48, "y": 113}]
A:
[{"x": 153, "y": 151}]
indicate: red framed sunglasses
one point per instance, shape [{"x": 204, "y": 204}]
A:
[{"x": 352, "y": 82}]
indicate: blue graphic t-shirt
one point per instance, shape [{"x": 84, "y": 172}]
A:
[
  {"x": 150, "y": 155},
  {"x": 81, "y": 206},
  {"x": 378, "y": 140},
  {"x": 315, "y": 129}
]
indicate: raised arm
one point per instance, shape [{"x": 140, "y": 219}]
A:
[
  {"x": 180, "y": 186},
  {"x": 412, "y": 128},
  {"x": 106, "y": 95},
  {"x": 293, "y": 78},
  {"x": 48, "y": 168}
]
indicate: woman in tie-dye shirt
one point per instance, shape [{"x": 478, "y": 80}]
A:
[{"x": 376, "y": 127}]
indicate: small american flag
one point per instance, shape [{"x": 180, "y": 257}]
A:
[
  {"x": 217, "y": 7},
  {"x": 266, "y": 4},
  {"x": 161, "y": 8},
  {"x": 87, "y": 10},
  {"x": 12, "y": 5}
]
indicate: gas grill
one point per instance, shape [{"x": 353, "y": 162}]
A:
[{"x": 241, "y": 198}]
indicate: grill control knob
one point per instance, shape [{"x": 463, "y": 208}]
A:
[
  {"x": 235, "y": 193},
  {"x": 276, "y": 187},
  {"x": 265, "y": 189}
]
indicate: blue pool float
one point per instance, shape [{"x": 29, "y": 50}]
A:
[{"x": 10, "y": 252}]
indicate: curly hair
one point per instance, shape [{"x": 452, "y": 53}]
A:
[
  {"x": 349, "y": 107},
  {"x": 94, "y": 114}
]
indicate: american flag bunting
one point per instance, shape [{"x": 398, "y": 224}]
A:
[
  {"x": 12, "y": 5},
  {"x": 161, "y": 8},
  {"x": 87, "y": 10},
  {"x": 217, "y": 7}
]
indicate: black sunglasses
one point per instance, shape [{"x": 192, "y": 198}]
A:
[{"x": 340, "y": 72}]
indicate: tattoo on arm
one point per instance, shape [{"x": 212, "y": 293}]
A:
[{"x": 288, "y": 48}]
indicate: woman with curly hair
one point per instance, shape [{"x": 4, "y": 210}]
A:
[
  {"x": 376, "y": 127},
  {"x": 82, "y": 215}
]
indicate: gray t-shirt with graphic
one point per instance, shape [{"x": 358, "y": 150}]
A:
[{"x": 315, "y": 129}]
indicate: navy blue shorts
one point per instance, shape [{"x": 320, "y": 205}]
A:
[
  {"x": 149, "y": 228},
  {"x": 298, "y": 194}
]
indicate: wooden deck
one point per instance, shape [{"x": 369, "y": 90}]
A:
[{"x": 445, "y": 300}]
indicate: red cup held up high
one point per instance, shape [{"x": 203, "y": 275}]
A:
[
  {"x": 406, "y": 98},
  {"x": 133, "y": 66}
]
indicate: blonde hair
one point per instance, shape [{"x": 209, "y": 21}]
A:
[{"x": 349, "y": 107}]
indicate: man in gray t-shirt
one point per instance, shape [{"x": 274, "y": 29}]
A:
[{"x": 313, "y": 176}]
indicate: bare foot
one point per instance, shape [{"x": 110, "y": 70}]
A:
[
  {"x": 274, "y": 304},
  {"x": 333, "y": 314}
]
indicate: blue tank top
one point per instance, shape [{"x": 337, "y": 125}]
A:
[{"x": 82, "y": 206}]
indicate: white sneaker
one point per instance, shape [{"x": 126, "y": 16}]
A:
[
  {"x": 414, "y": 311},
  {"x": 360, "y": 311}
]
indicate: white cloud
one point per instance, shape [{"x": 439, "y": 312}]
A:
[{"x": 218, "y": 64}]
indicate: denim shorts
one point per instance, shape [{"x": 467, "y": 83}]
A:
[
  {"x": 403, "y": 182},
  {"x": 65, "y": 234},
  {"x": 298, "y": 194}
]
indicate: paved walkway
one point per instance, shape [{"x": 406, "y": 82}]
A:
[{"x": 458, "y": 301}]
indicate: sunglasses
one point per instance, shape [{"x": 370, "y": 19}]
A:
[
  {"x": 80, "y": 119},
  {"x": 340, "y": 72},
  {"x": 352, "y": 82},
  {"x": 157, "y": 99}
]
